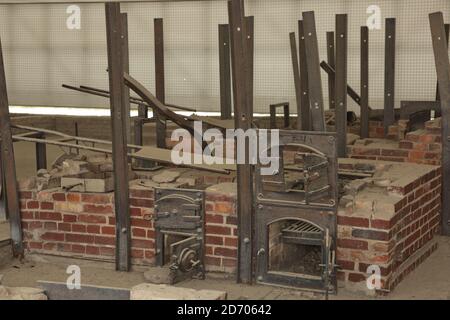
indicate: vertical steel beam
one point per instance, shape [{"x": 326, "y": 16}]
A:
[
  {"x": 126, "y": 68},
  {"x": 443, "y": 75},
  {"x": 249, "y": 56},
  {"x": 239, "y": 65},
  {"x": 297, "y": 81},
  {"x": 332, "y": 62},
  {"x": 341, "y": 84},
  {"x": 118, "y": 126},
  {"x": 9, "y": 166},
  {"x": 225, "y": 71},
  {"x": 314, "y": 77},
  {"x": 161, "y": 125},
  {"x": 447, "y": 32},
  {"x": 389, "y": 75},
  {"x": 364, "y": 116},
  {"x": 305, "y": 103},
  {"x": 41, "y": 154}
]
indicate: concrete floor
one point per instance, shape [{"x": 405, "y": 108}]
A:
[{"x": 431, "y": 280}]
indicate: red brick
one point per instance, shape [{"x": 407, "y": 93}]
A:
[
  {"x": 81, "y": 238},
  {"x": 92, "y": 250},
  {"x": 32, "y": 204},
  {"x": 35, "y": 245},
  {"x": 47, "y": 205},
  {"x": 105, "y": 251},
  {"x": 223, "y": 207},
  {"x": 218, "y": 230},
  {"x": 140, "y": 243},
  {"x": 230, "y": 263},
  {"x": 88, "y": 218},
  {"x": 137, "y": 253},
  {"x": 48, "y": 215},
  {"x": 73, "y": 197},
  {"x": 69, "y": 218},
  {"x": 225, "y": 252},
  {"x": 135, "y": 212},
  {"x": 231, "y": 220},
  {"x": 144, "y": 203},
  {"x": 353, "y": 221},
  {"x": 53, "y": 236},
  {"x": 25, "y": 195},
  {"x": 346, "y": 265},
  {"x": 140, "y": 193},
  {"x": 92, "y": 208},
  {"x": 78, "y": 228},
  {"x": 212, "y": 261},
  {"x": 214, "y": 240},
  {"x": 138, "y": 232},
  {"x": 380, "y": 224},
  {"x": 352, "y": 244},
  {"x": 58, "y": 196},
  {"x": 141, "y": 223},
  {"x": 64, "y": 226},
  {"x": 105, "y": 240},
  {"x": 96, "y": 198},
  {"x": 356, "y": 277},
  {"x": 50, "y": 226},
  {"x": 231, "y": 242},
  {"x": 27, "y": 215},
  {"x": 49, "y": 246},
  {"x": 212, "y": 218},
  {"x": 108, "y": 230},
  {"x": 93, "y": 229},
  {"x": 32, "y": 225},
  {"x": 78, "y": 248}
]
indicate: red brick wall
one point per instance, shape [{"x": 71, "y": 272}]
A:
[
  {"x": 390, "y": 243},
  {"x": 422, "y": 146},
  {"x": 83, "y": 224}
]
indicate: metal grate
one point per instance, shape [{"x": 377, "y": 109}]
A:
[{"x": 301, "y": 227}]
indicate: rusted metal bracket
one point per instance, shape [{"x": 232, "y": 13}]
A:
[{"x": 273, "y": 114}]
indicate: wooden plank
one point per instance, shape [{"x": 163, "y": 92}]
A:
[
  {"x": 225, "y": 71},
  {"x": 443, "y": 75},
  {"x": 240, "y": 78},
  {"x": 341, "y": 84},
  {"x": 332, "y": 62},
  {"x": 161, "y": 125},
  {"x": 447, "y": 32},
  {"x": 305, "y": 103},
  {"x": 119, "y": 143},
  {"x": 9, "y": 167},
  {"x": 297, "y": 80},
  {"x": 314, "y": 77},
  {"x": 364, "y": 82},
  {"x": 389, "y": 75},
  {"x": 126, "y": 68}
]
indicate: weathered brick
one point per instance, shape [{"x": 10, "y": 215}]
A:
[
  {"x": 59, "y": 196},
  {"x": 353, "y": 244},
  {"x": 353, "y": 221},
  {"x": 93, "y": 208},
  {"x": 222, "y": 230},
  {"x": 48, "y": 215},
  {"x": 370, "y": 234},
  {"x": 89, "y": 218},
  {"x": 81, "y": 238},
  {"x": 98, "y": 198}
]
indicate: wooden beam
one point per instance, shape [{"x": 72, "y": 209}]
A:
[
  {"x": 161, "y": 125},
  {"x": 119, "y": 143},
  {"x": 239, "y": 67},
  {"x": 389, "y": 75},
  {"x": 297, "y": 80},
  {"x": 314, "y": 77},
  {"x": 9, "y": 166},
  {"x": 443, "y": 75},
  {"x": 332, "y": 62},
  {"x": 341, "y": 84},
  {"x": 364, "y": 82},
  {"x": 305, "y": 103},
  {"x": 225, "y": 71}
]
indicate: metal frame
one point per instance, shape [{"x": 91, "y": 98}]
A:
[
  {"x": 364, "y": 82},
  {"x": 389, "y": 74},
  {"x": 119, "y": 144},
  {"x": 341, "y": 84},
  {"x": 332, "y": 63},
  {"x": 305, "y": 117},
  {"x": 443, "y": 74},
  {"x": 297, "y": 83},
  {"x": 273, "y": 114},
  {"x": 161, "y": 121},
  {"x": 225, "y": 71}
]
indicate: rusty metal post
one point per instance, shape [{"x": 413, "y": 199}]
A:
[
  {"x": 9, "y": 166},
  {"x": 243, "y": 120},
  {"x": 314, "y": 77},
  {"x": 225, "y": 71},
  {"x": 447, "y": 32},
  {"x": 341, "y": 84},
  {"x": 389, "y": 75},
  {"x": 443, "y": 75},
  {"x": 305, "y": 103},
  {"x": 126, "y": 68},
  {"x": 297, "y": 81},
  {"x": 160, "y": 120},
  {"x": 332, "y": 62},
  {"x": 119, "y": 143},
  {"x": 364, "y": 115}
]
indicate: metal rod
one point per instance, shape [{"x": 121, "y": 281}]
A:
[
  {"x": 331, "y": 61},
  {"x": 9, "y": 166},
  {"x": 389, "y": 75},
  {"x": 119, "y": 143},
  {"x": 364, "y": 82},
  {"x": 225, "y": 71},
  {"x": 240, "y": 78},
  {"x": 443, "y": 75},
  {"x": 341, "y": 84},
  {"x": 297, "y": 80},
  {"x": 161, "y": 124},
  {"x": 126, "y": 68},
  {"x": 314, "y": 77},
  {"x": 305, "y": 103}
]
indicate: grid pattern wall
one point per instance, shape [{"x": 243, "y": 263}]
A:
[{"x": 41, "y": 53}]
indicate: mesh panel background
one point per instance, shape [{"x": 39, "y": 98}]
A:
[{"x": 41, "y": 53}]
